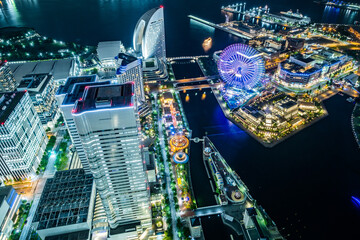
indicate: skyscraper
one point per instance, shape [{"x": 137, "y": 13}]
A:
[
  {"x": 130, "y": 70},
  {"x": 107, "y": 124},
  {"x": 107, "y": 51},
  {"x": 7, "y": 80},
  {"x": 22, "y": 137},
  {"x": 41, "y": 88},
  {"x": 66, "y": 97},
  {"x": 9, "y": 204},
  {"x": 149, "y": 35},
  {"x": 66, "y": 206}
]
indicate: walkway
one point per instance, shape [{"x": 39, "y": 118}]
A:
[
  {"x": 168, "y": 179},
  {"x": 207, "y": 211},
  {"x": 49, "y": 173},
  {"x": 223, "y": 28}
]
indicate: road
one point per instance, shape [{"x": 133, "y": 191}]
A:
[
  {"x": 50, "y": 168},
  {"x": 168, "y": 179},
  {"x": 201, "y": 86},
  {"x": 49, "y": 173}
]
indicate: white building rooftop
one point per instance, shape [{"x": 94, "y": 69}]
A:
[
  {"x": 109, "y": 50},
  {"x": 60, "y": 69}
]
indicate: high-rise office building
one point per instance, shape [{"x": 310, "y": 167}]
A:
[
  {"x": 22, "y": 137},
  {"x": 149, "y": 35},
  {"x": 130, "y": 70},
  {"x": 107, "y": 124},
  {"x": 66, "y": 97},
  {"x": 107, "y": 52},
  {"x": 7, "y": 80},
  {"x": 41, "y": 88},
  {"x": 66, "y": 206},
  {"x": 9, "y": 204},
  {"x": 154, "y": 71}
]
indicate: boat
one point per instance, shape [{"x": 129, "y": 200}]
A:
[
  {"x": 350, "y": 99},
  {"x": 208, "y": 41}
]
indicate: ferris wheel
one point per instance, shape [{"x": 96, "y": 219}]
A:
[{"x": 241, "y": 66}]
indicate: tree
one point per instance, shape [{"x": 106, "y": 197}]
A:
[
  {"x": 178, "y": 223},
  {"x": 94, "y": 71}
]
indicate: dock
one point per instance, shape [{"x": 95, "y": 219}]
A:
[{"x": 222, "y": 28}]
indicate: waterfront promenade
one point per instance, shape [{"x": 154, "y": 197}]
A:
[
  {"x": 221, "y": 27},
  {"x": 234, "y": 198},
  {"x": 321, "y": 97}
]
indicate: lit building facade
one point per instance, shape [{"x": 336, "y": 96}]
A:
[
  {"x": 66, "y": 97},
  {"x": 41, "y": 88},
  {"x": 295, "y": 75},
  {"x": 22, "y": 137},
  {"x": 107, "y": 123},
  {"x": 149, "y": 35},
  {"x": 66, "y": 205},
  {"x": 154, "y": 71},
  {"x": 7, "y": 80},
  {"x": 9, "y": 204},
  {"x": 306, "y": 71},
  {"x": 130, "y": 70}
]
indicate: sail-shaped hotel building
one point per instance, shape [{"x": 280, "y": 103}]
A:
[{"x": 149, "y": 35}]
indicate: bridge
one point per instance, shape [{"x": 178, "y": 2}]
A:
[
  {"x": 208, "y": 211},
  {"x": 186, "y": 58},
  {"x": 190, "y": 80},
  {"x": 235, "y": 210},
  {"x": 194, "y": 87},
  {"x": 198, "y": 79},
  {"x": 196, "y": 83}
]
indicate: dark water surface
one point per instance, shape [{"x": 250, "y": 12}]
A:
[
  {"x": 91, "y": 21},
  {"x": 305, "y": 183}
]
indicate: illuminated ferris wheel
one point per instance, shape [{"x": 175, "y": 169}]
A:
[{"x": 241, "y": 66}]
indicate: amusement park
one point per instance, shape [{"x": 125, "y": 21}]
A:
[
  {"x": 261, "y": 103},
  {"x": 177, "y": 135},
  {"x": 242, "y": 70}
]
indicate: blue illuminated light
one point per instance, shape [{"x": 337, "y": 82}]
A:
[
  {"x": 356, "y": 201},
  {"x": 241, "y": 66},
  {"x": 11, "y": 199}
]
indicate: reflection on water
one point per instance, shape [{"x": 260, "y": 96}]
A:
[
  {"x": 290, "y": 180},
  {"x": 9, "y": 13},
  {"x": 203, "y": 96},
  {"x": 202, "y": 31},
  {"x": 337, "y": 15},
  {"x": 85, "y": 21}
]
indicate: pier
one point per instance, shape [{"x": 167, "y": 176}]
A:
[
  {"x": 237, "y": 208},
  {"x": 220, "y": 27}
]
